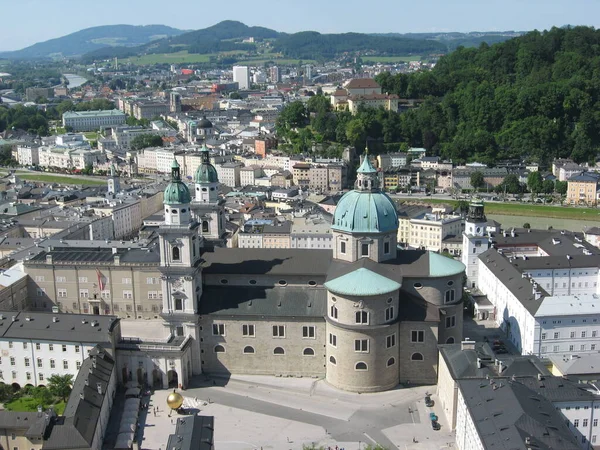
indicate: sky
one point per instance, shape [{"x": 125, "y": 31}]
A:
[{"x": 39, "y": 20}]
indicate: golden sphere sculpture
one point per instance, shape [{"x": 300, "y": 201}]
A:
[{"x": 175, "y": 400}]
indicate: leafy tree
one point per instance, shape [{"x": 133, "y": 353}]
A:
[
  {"x": 526, "y": 225},
  {"x": 510, "y": 185},
  {"x": 477, "y": 181},
  {"x": 548, "y": 186},
  {"x": 356, "y": 133},
  {"x": 534, "y": 183},
  {"x": 235, "y": 96},
  {"x": 60, "y": 385},
  {"x": 146, "y": 140},
  {"x": 293, "y": 116},
  {"x": 318, "y": 103},
  {"x": 561, "y": 187}
]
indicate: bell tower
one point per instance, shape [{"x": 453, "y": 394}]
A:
[
  {"x": 475, "y": 240},
  {"x": 207, "y": 206},
  {"x": 180, "y": 247}
]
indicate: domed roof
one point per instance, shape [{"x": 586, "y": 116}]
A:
[
  {"x": 176, "y": 191},
  {"x": 365, "y": 209},
  {"x": 204, "y": 123},
  {"x": 365, "y": 212},
  {"x": 206, "y": 172}
]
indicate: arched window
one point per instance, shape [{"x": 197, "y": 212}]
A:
[
  {"x": 279, "y": 351},
  {"x": 360, "y": 366},
  {"x": 334, "y": 312},
  {"x": 248, "y": 349},
  {"x": 391, "y": 362},
  {"x": 332, "y": 360},
  {"x": 450, "y": 340},
  {"x": 205, "y": 226},
  {"x": 219, "y": 349},
  {"x": 308, "y": 351},
  {"x": 416, "y": 357},
  {"x": 176, "y": 255}
]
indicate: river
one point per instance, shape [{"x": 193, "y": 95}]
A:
[{"x": 74, "y": 80}]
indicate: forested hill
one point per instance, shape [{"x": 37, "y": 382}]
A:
[{"x": 536, "y": 95}]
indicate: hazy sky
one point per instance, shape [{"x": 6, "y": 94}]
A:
[{"x": 26, "y": 22}]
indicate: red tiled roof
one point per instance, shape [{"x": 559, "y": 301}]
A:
[{"x": 362, "y": 83}]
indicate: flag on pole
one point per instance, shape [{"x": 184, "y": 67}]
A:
[{"x": 100, "y": 280}]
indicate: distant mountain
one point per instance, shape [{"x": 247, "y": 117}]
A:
[
  {"x": 454, "y": 40},
  {"x": 229, "y": 35},
  {"x": 90, "y": 39},
  {"x": 313, "y": 45}
]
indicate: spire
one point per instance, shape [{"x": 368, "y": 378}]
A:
[
  {"x": 175, "y": 171},
  {"x": 366, "y": 175}
]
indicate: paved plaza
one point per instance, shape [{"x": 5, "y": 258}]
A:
[{"x": 263, "y": 412}]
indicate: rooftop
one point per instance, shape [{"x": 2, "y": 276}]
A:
[
  {"x": 101, "y": 113},
  {"x": 362, "y": 83},
  {"x": 362, "y": 282},
  {"x": 569, "y": 305}
]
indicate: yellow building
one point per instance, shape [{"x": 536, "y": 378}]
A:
[{"x": 583, "y": 189}]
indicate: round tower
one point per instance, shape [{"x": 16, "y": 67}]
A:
[{"x": 177, "y": 199}]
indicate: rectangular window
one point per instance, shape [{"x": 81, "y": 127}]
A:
[
  {"x": 128, "y": 295},
  {"x": 218, "y": 329},
  {"x": 38, "y": 346},
  {"x": 28, "y": 375},
  {"x": 78, "y": 365},
  {"x": 391, "y": 341},
  {"x": 389, "y": 313},
  {"x": 40, "y": 363},
  {"x": 556, "y": 348},
  {"x": 24, "y": 345},
  {"x": 362, "y": 317},
  {"x": 248, "y": 330},
  {"x": 332, "y": 340},
  {"x": 449, "y": 296},
  {"x": 12, "y": 361},
  {"x": 10, "y": 344},
  {"x": 52, "y": 364},
  {"x": 583, "y": 334},
  {"x": 543, "y": 336},
  {"x": 64, "y": 348},
  {"x": 386, "y": 248},
  {"x": 26, "y": 362},
  {"x": 556, "y": 335},
  {"x": 83, "y": 279},
  {"x": 61, "y": 279},
  {"x": 585, "y": 423},
  {"x": 593, "y": 347},
  {"x": 66, "y": 364},
  {"x": 126, "y": 280},
  {"x": 105, "y": 295},
  {"x": 572, "y": 334},
  {"x": 41, "y": 376},
  {"x": 582, "y": 347},
  {"x": 450, "y": 322},
  {"x": 308, "y": 332},
  {"x": 279, "y": 331},
  {"x": 62, "y": 293},
  {"x": 150, "y": 280},
  {"x": 364, "y": 250},
  {"x": 361, "y": 345},
  {"x": 343, "y": 247},
  {"x": 576, "y": 423},
  {"x": 417, "y": 336},
  {"x": 41, "y": 292},
  {"x": 51, "y": 347},
  {"x": 77, "y": 349},
  {"x": 39, "y": 278},
  {"x": 334, "y": 312},
  {"x": 594, "y": 333},
  {"x": 84, "y": 293}
]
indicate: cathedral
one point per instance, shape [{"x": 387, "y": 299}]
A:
[{"x": 365, "y": 315}]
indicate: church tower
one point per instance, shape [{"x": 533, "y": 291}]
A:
[
  {"x": 180, "y": 247},
  {"x": 207, "y": 206},
  {"x": 114, "y": 185},
  {"x": 475, "y": 241}
]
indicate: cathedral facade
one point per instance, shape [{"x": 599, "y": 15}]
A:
[{"x": 365, "y": 315}]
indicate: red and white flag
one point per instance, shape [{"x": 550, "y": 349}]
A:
[{"x": 100, "y": 279}]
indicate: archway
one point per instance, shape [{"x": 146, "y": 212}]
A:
[
  {"x": 173, "y": 378},
  {"x": 157, "y": 379},
  {"x": 16, "y": 386},
  {"x": 140, "y": 376},
  {"x": 96, "y": 310}
]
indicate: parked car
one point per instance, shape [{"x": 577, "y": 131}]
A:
[
  {"x": 428, "y": 402},
  {"x": 435, "y": 425}
]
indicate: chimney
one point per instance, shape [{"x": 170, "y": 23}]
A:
[
  {"x": 500, "y": 367},
  {"x": 512, "y": 233},
  {"x": 54, "y": 319},
  {"x": 479, "y": 365},
  {"x": 527, "y": 440},
  {"x": 539, "y": 377},
  {"x": 117, "y": 258},
  {"x": 48, "y": 259},
  {"x": 467, "y": 344},
  {"x": 99, "y": 388}
]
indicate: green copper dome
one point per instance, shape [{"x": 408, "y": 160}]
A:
[
  {"x": 176, "y": 192},
  {"x": 365, "y": 209},
  {"x": 206, "y": 172}
]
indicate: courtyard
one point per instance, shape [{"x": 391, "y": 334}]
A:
[{"x": 264, "y": 412}]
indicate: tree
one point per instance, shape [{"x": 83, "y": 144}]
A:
[
  {"x": 477, "y": 180},
  {"x": 318, "y": 103},
  {"x": 356, "y": 133},
  {"x": 146, "y": 140},
  {"x": 548, "y": 186},
  {"x": 534, "y": 183},
  {"x": 293, "y": 116},
  {"x": 560, "y": 187},
  {"x": 526, "y": 225},
  {"x": 60, "y": 385},
  {"x": 510, "y": 185}
]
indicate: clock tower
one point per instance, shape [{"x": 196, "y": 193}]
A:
[{"x": 475, "y": 240}]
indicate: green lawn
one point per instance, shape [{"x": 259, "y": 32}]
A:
[
  {"x": 391, "y": 59},
  {"x": 30, "y": 404},
  {"x": 61, "y": 180},
  {"x": 531, "y": 210},
  {"x": 91, "y": 136}
]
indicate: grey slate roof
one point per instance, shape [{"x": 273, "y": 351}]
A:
[
  {"x": 262, "y": 301},
  {"x": 505, "y": 413},
  {"x": 99, "y": 255},
  {"x": 35, "y": 423},
  {"x": 511, "y": 277},
  {"x": 462, "y": 364},
  {"x": 77, "y": 427},
  {"x": 192, "y": 433},
  {"x": 267, "y": 261},
  {"x": 558, "y": 389},
  {"x": 68, "y": 328}
]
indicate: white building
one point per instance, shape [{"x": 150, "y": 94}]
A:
[
  {"x": 475, "y": 241},
  {"x": 229, "y": 173},
  {"x": 241, "y": 75},
  {"x": 28, "y": 155},
  {"x": 35, "y": 346},
  {"x": 428, "y": 231},
  {"x": 93, "y": 120}
]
